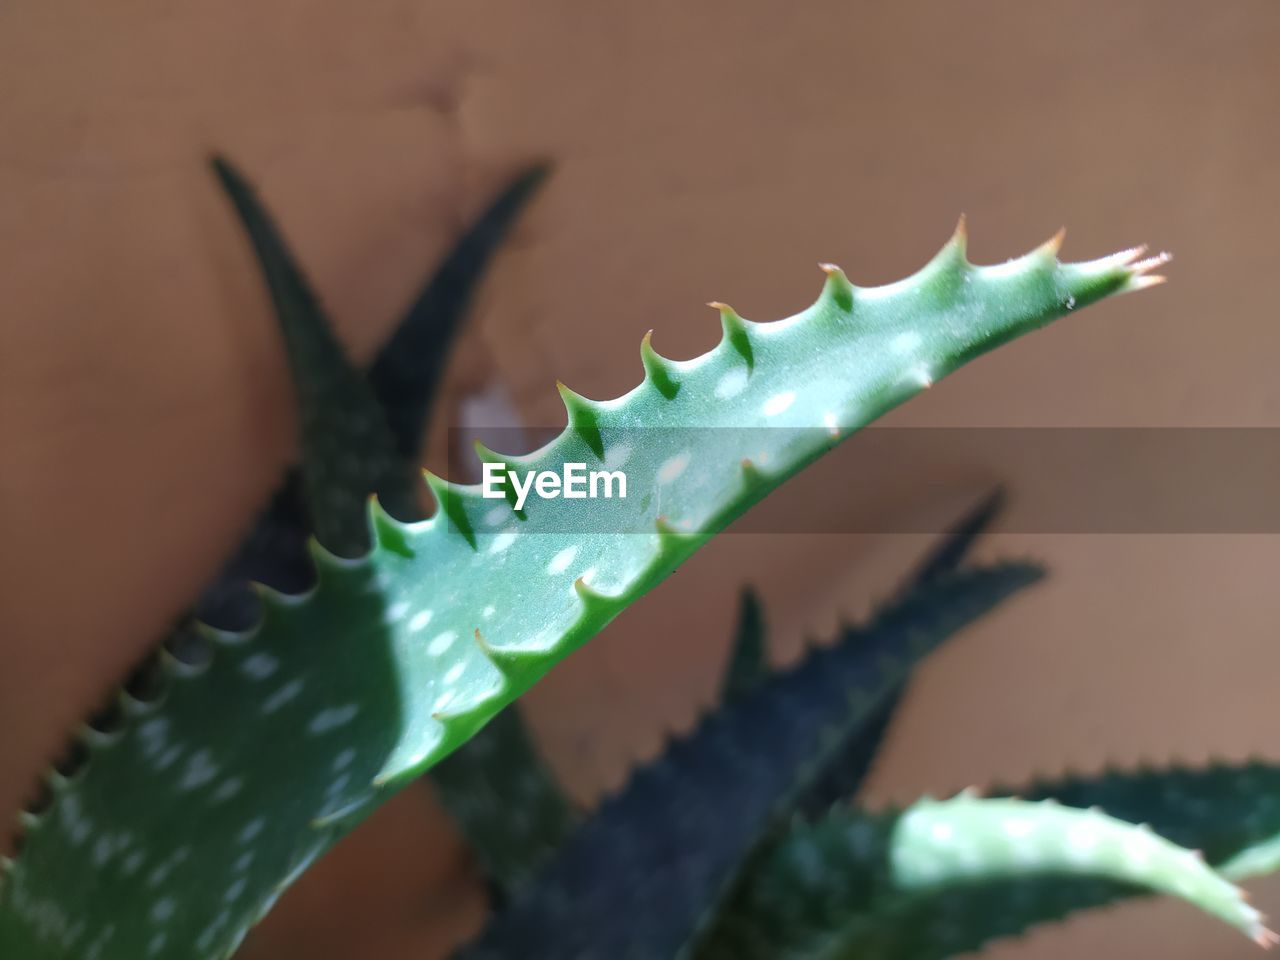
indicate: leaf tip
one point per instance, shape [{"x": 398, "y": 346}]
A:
[
  {"x": 658, "y": 368},
  {"x": 735, "y": 332},
  {"x": 837, "y": 288},
  {"x": 1053, "y": 246},
  {"x": 584, "y": 418}
]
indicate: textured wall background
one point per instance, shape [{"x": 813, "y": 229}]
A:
[{"x": 711, "y": 150}]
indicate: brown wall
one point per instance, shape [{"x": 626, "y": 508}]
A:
[{"x": 704, "y": 150}]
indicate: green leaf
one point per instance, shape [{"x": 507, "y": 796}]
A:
[
  {"x": 404, "y": 379},
  {"x": 843, "y": 776},
  {"x": 958, "y": 542},
  {"x": 508, "y": 845},
  {"x": 346, "y": 443},
  {"x": 501, "y": 764},
  {"x": 1230, "y": 812},
  {"x": 924, "y": 883},
  {"x": 642, "y": 877},
  {"x": 748, "y": 657},
  {"x": 409, "y": 368},
  {"x": 184, "y": 826}
]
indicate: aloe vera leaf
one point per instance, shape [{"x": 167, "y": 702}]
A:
[
  {"x": 640, "y": 877},
  {"x": 208, "y": 804},
  {"x": 944, "y": 877},
  {"x": 748, "y": 655}
]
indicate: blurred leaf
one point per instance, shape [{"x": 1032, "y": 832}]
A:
[
  {"x": 348, "y": 452},
  {"x": 748, "y": 657},
  {"x": 407, "y": 372},
  {"x": 639, "y": 878},
  {"x": 943, "y": 878}
]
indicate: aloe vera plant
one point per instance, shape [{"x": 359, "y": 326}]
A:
[
  {"x": 739, "y": 841},
  {"x": 191, "y": 818}
]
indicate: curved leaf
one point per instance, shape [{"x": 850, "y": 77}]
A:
[
  {"x": 748, "y": 655},
  {"x": 186, "y": 824},
  {"x": 945, "y": 877},
  {"x": 638, "y": 879},
  {"x": 1230, "y": 812}
]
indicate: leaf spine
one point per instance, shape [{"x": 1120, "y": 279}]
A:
[
  {"x": 387, "y": 532},
  {"x": 658, "y": 368},
  {"x": 838, "y": 289},
  {"x": 584, "y": 418},
  {"x": 451, "y": 507},
  {"x": 735, "y": 332},
  {"x": 594, "y": 602}
]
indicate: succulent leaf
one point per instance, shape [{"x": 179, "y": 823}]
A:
[
  {"x": 640, "y": 877},
  {"x": 942, "y": 878},
  {"x": 184, "y": 826},
  {"x": 404, "y": 378},
  {"x": 346, "y": 443},
  {"x": 967, "y": 838},
  {"x": 958, "y": 542},
  {"x": 379, "y": 425},
  {"x": 1229, "y": 812},
  {"x": 748, "y": 657},
  {"x": 409, "y": 368},
  {"x": 844, "y": 775}
]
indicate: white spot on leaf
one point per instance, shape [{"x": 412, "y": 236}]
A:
[
  {"x": 259, "y": 666},
  {"x": 284, "y": 695},
  {"x": 332, "y": 718},
  {"x": 732, "y": 383},
  {"x": 560, "y": 562},
  {"x": 199, "y": 771},
  {"x": 779, "y": 403},
  {"x": 674, "y": 467},
  {"x": 906, "y": 342},
  {"x": 441, "y": 643}
]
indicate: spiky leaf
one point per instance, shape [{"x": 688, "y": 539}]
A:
[
  {"x": 875, "y": 886},
  {"x": 404, "y": 379},
  {"x": 748, "y": 656},
  {"x": 639, "y": 877},
  {"x": 1230, "y": 812},
  {"x": 185, "y": 826},
  {"x": 408, "y": 369},
  {"x": 501, "y": 767},
  {"x": 346, "y": 443},
  {"x": 844, "y": 775}
]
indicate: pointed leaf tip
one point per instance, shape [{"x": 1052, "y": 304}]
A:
[
  {"x": 951, "y": 262},
  {"x": 837, "y": 287},
  {"x": 752, "y": 476},
  {"x": 1140, "y": 267},
  {"x": 664, "y": 527},
  {"x": 657, "y": 368},
  {"x": 735, "y": 332},
  {"x": 450, "y": 505},
  {"x": 584, "y": 418},
  {"x": 483, "y": 644},
  {"x": 1053, "y": 246},
  {"x": 595, "y": 604},
  {"x": 388, "y": 533},
  {"x": 958, "y": 243}
]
